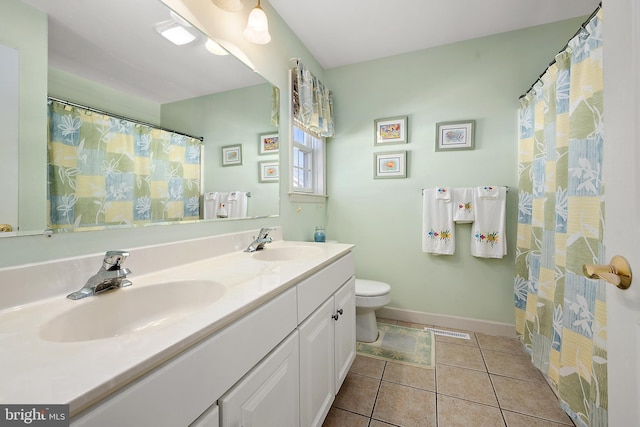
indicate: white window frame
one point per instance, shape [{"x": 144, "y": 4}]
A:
[{"x": 317, "y": 171}]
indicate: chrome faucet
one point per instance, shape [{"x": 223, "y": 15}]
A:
[
  {"x": 110, "y": 276},
  {"x": 259, "y": 242}
]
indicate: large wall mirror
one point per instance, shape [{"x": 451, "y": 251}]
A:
[{"x": 110, "y": 55}]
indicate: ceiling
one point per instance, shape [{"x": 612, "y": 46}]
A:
[
  {"x": 342, "y": 32},
  {"x": 101, "y": 39},
  {"x": 114, "y": 42}
]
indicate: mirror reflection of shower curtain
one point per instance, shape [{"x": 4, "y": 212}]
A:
[
  {"x": 561, "y": 314},
  {"x": 108, "y": 171}
]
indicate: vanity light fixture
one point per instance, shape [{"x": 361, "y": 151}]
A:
[
  {"x": 215, "y": 48},
  {"x": 257, "y": 30},
  {"x": 229, "y": 5},
  {"x": 174, "y": 32}
]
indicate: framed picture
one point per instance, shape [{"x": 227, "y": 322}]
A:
[
  {"x": 455, "y": 135},
  {"x": 390, "y": 165},
  {"x": 232, "y": 155},
  {"x": 391, "y": 131},
  {"x": 268, "y": 171},
  {"x": 269, "y": 143}
]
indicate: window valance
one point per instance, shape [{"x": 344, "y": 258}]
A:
[{"x": 312, "y": 102}]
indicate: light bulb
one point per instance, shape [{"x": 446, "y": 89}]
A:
[
  {"x": 215, "y": 48},
  {"x": 257, "y": 30}
]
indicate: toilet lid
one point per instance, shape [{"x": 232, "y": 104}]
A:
[{"x": 371, "y": 288}]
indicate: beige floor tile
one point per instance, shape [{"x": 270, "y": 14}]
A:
[
  {"x": 500, "y": 343},
  {"x": 465, "y": 384},
  {"x": 376, "y": 423},
  {"x": 512, "y": 365},
  {"x": 454, "y": 412},
  {"x": 459, "y": 355},
  {"x": 340, "y": 418},
  {"x": 518, "y": 420},
  {"x": 422, "y": 378},
  {"x": 410, "y": 325},
  {"x": 367, "y": 366},
  {"x": 535, "y": 399},
  {"x": 357, "y": 394},
  {"x": 385, "y": 320},
  {"x": 405, "y": 406}
]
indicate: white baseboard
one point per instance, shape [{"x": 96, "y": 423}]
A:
[{"x": 445, "y": 321}]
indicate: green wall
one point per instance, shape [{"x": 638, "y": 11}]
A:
[
  {"x": 479, "y": 79},
  {"x": 230, "y": 118},
  {"x": 70, "y": 87}
]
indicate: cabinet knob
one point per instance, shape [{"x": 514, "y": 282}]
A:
[
  {"x": 340, "y": 311},
  {"x": 335, "y": 317}
]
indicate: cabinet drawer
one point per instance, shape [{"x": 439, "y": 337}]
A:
[
  {"x": 312, "y": 292},
  {"x": 268, "y": 395},
  {"x": 176, "y": 393}
]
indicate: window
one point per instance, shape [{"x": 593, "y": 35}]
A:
[{"x": 307, "y": 173}]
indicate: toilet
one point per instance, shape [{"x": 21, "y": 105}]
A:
[{"x": 370, "y": 296}]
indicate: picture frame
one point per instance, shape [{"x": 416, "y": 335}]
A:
[
  {"x": 269, "y": 143},
  {"x": 458, "y": 135},
  {"x": 392, "y": 130},
  {"x": 390, "y": 165},
  {"x": 232, "y": 155},
  {"x": 269, "y": 171}
]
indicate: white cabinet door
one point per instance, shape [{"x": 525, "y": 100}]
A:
[
  {"x": 345, "y": 330},
  {"x": 317, "y": 368},
  {"x": 269, "y": 395},
  {"x": 209, "y": 418}
]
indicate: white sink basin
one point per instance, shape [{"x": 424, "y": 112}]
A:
[
  {"x": 130, "y": 310},
  {"x": 287, "y": 253}
]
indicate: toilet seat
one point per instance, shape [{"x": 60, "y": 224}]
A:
[{"x": 371, "y": 288}]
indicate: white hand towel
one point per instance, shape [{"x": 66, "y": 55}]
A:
[
  {"x": 237, "y": 204},
  {"x": 463, "y": 205},
  {"x": 443, "y": 193},
  {"x": 488, "y": 237},
  {"x": 438, "y": 233},
  {"x": 488, "y": 192},
  {"x": 210, "y": 205}
]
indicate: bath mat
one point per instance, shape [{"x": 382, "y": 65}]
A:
[
  {"x": 399, "y": 344},
  {"x": 451, "y": 334}
]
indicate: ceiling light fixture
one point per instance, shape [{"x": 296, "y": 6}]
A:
[
  {"x": 215, "y": 48},
  {"x": 229, "y": 5},
  {"x": 175, "y": 33},
  {"x": 257, "y": 30}
]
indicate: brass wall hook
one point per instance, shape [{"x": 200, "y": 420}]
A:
[{"x": 618, "y": 272}]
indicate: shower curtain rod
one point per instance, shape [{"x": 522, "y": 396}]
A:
[
  {"x": 582, "y": 27},
  {"x": 116, "y": 116}
]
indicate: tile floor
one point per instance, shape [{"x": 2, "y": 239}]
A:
[{"x": 485, "y": 381}]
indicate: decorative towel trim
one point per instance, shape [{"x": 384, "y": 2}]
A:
[
  {"x": 443, "y": 193},
  {"x": 488, "y": 192}
]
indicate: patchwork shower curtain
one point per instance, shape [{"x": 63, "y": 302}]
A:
[
  {"x": 561, "y": 314},
  {"x": 106, "y": 171}
]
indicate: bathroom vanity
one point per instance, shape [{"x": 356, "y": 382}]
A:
[{"x": 262, "y": 339}]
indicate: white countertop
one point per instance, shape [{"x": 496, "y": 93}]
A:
[{"x": 37, "y": 371}]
